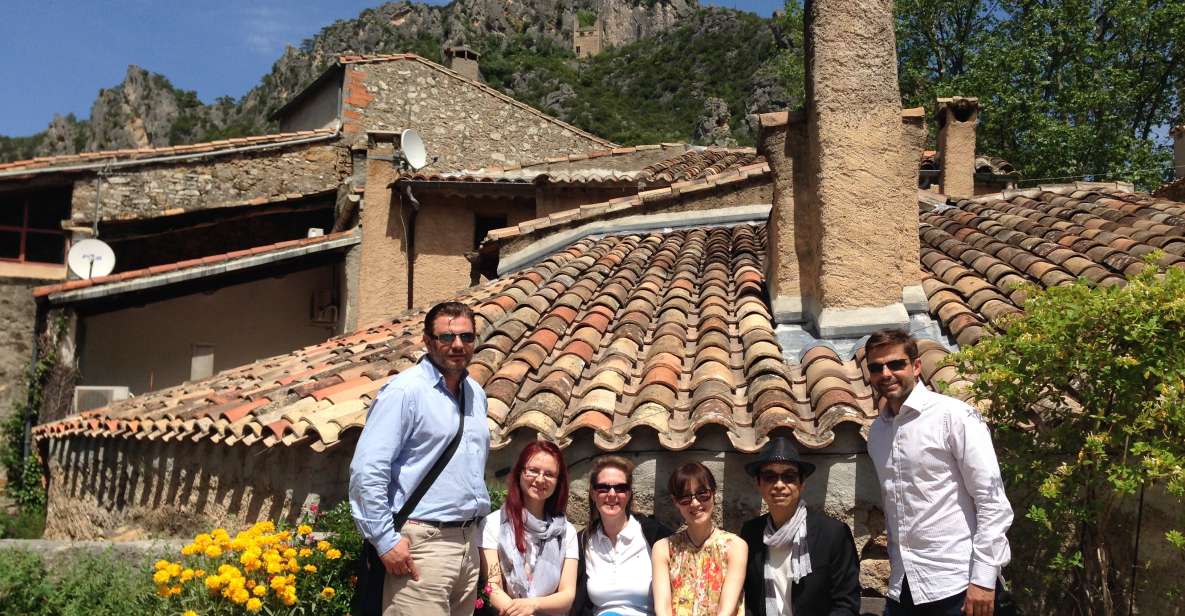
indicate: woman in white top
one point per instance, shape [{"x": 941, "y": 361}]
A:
[
  {"x": 613, "y": 578},
  {"x": 528, "y": 548}
]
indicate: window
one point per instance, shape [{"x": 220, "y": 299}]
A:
[{"x": 31, "y": 225}]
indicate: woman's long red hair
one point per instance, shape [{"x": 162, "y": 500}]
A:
[{"x": 555, "y": 504}]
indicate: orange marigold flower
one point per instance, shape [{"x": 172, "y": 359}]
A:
[
  {"x": 333, "y": 554},
  {"x": 328, "y": 592},
  {"x": 254, "y": 605}
]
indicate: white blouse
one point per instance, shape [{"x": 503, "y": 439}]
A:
[{"x": 619, "y": 575}]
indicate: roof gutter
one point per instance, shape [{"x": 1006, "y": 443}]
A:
[{"x": 110, "y": 164}]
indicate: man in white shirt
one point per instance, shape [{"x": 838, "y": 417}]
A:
[{"x": 946, "y": 513}]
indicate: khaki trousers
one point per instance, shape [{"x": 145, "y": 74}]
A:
[{"x": 448, "y": 564}]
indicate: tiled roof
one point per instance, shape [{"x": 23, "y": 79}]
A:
[
  {"x": 209, "y": 148},
  {"x": 190, "y": 264},
  {"x": 983, "y": 163},
  {"x": 411, "y": 57},
  {"x": 650, "y": 165},
  {"x": 733, "y": 175},
  {"x": 976, "y": 254},
  {"x": 665, "y": 333}
]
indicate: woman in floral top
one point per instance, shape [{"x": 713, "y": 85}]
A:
[{"x": 700, "y": 570}]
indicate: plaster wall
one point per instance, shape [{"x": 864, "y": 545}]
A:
[
  {"x": 150, "y": 347},
  {"x": 956, "y": 145},
  {"x": 552, "y": 199},
  {"x": 467, "y": 124},
  {"x": 782, "y": 266},
  {"x": 444, "y": 235},
  {"x": 319, "y": 110},
  {"x": 858, "y": 163},
  {"x": 172, "y": 188}
]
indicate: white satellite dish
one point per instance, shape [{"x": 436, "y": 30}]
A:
[
  {"x": 91, "y": 258},
  {"x": 412, "y": 146}
]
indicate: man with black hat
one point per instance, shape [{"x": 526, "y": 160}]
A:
[{"x": 800, "y": 562}]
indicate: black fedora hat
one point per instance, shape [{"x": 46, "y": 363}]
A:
[{"x": 779, "y": 449}]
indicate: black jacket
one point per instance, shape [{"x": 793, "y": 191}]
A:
[
  {"x": 833, "y": 586},
  {"x": 582, "y": 605}
]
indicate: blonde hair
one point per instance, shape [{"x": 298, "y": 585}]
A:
[{"x": 600, "y": 464}]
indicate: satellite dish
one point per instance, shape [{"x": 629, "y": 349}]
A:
[
  {"x": 413, "y": 149},
  {"x": 90, "y": 258}
]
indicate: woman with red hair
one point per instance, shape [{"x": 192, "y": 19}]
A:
[{"x": 528, "y": 549}]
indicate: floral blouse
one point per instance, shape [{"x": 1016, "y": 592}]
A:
[{"x": 697, "y": 574}]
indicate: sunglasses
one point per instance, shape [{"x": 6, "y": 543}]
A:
[
  {"x": 449, "y": 337},
  {"x": 895, "y": 365},
  {"x": 702, "y": 496},
  {"x": 787, "y": 477},
  {"x": 605, "y": 488}
]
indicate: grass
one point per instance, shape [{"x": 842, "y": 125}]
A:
[{"x": 28, "y": 523}]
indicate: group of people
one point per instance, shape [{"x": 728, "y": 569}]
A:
[{"x": 418, "y": 495}]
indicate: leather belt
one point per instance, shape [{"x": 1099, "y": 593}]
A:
[{"x": 449, "y": 524}]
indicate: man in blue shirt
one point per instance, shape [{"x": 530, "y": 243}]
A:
[{"x": 432, "y": 561}]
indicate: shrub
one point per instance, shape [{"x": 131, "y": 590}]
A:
[{"x": 23, "y": 586}]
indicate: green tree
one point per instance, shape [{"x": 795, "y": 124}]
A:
[
  {"x": 1069, "y": 88},
  {"x": 1087, "y": 399}
]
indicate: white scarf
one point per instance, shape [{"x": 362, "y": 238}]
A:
[
  {"x": 545, "y": 539},
  {"x": 792, "y": 534}
]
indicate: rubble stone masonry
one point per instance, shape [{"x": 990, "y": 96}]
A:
[
  {"x": 466, "y": 123},
  {"x": 218, "y": 181}
]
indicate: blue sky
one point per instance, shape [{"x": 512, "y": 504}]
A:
[{"x": 57, "y": 54}]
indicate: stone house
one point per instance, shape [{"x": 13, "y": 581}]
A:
[{"x": 197, "y": 229}]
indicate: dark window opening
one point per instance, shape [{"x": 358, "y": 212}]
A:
[
  {"x": 31, "y": 225},
  {"x": 482, "y": 225}
]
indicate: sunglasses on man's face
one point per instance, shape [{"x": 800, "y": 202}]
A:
[
  {"x": 788, "y": 477},
  {"x": 605, "y": 488},
  {"x": 449, "y": 337},
  {"x": 895, "y": 365},
  {"x": 702, "y": 496}
]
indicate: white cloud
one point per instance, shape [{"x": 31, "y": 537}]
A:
[{"x": 268, "y": 27}]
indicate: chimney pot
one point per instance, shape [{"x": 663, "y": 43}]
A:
[
  {"x": 1178, "y": 134},
  {"x": 957, "y": 117},
  {"x": 463, "y": 60}
]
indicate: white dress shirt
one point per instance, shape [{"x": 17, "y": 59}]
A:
[
  {"x": 619, "y": 575},
  {"x": 946, "y": 513}
]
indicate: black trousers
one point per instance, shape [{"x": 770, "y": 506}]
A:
[{"x": 949, "y": 606}]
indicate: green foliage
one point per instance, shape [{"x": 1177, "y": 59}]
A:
[
  {"x": 26, "y": 523},
  {"x": 1087, "y": 393},
  {"x": 102, "y": 584},
  {"x": 26, "y": 482},
  {"x": 339, "y": 523},
  {"x": 586, "y": 18},
  {"x": 1068, "y": 88}
]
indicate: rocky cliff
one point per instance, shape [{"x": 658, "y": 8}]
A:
[{"x": 670, "y": 51}]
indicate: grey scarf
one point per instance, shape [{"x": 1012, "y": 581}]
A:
[
  {"x": 792, "y": 534},
  {"x": 536, "y": 573}
]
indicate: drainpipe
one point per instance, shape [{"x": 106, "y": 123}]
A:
[{"x": 411, "y": 244}]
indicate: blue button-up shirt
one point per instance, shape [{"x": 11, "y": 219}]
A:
[{"x": 411, "y": 422}]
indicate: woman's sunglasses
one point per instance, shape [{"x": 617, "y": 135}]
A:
[
  {"x": 605, "y": 488},
  {"x": 702, "y": 496}
]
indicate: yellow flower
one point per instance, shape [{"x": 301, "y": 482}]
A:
[
  {"x": 176, "y": 590},
  {"x": 161, "y": 564},
  {"x": 174, "y": 570},
  {"x": 190, "y": 613},
  {"x": 259, "y": 590},
  {"x": 323, "y": 545},
  {"x": 333, "y": 554},
  {"x": 186, "y": 575},
  {"x": 293, "y": 566},
  {"x": 161, "y": 577},
  {"x": 289, "y": 596},
  {"x": 199, "y": 573},
  {"x": 240, "y": 596},
  {"x": 213, "y": 551},
  {"x": 310, "y": 568},
  {"x": 305, "y": 552},
  {"x": 162, "y": 591},
  {"x": 189, "y": 550},
  {"x": 278, "y": 583},
  {"x": 214, "y": 582},
  {"x": 274, "y": 567},
  {"x": 254, "y": 605},
  {"x": 328, "y": 592},
  {"x": 289, "y": 553},
  {"x": 202, "y": 539},
  {"x": 304, "y": 529}
]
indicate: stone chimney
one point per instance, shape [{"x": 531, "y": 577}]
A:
[
  {"x": 463, "y": 60},
  {"x": 844, "y": 261},
  {"x": 957, "y": 118},
  {"x": 1178, "y": 134}
]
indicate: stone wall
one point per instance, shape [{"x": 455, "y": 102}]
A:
[
  {"x": 103, "y": 487},
  {"x": 558, "y": 198},
  {"x": 465, "y": 123},
  {"x": 18, "y": 315},
  {"x": 218, "y": 181}
]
